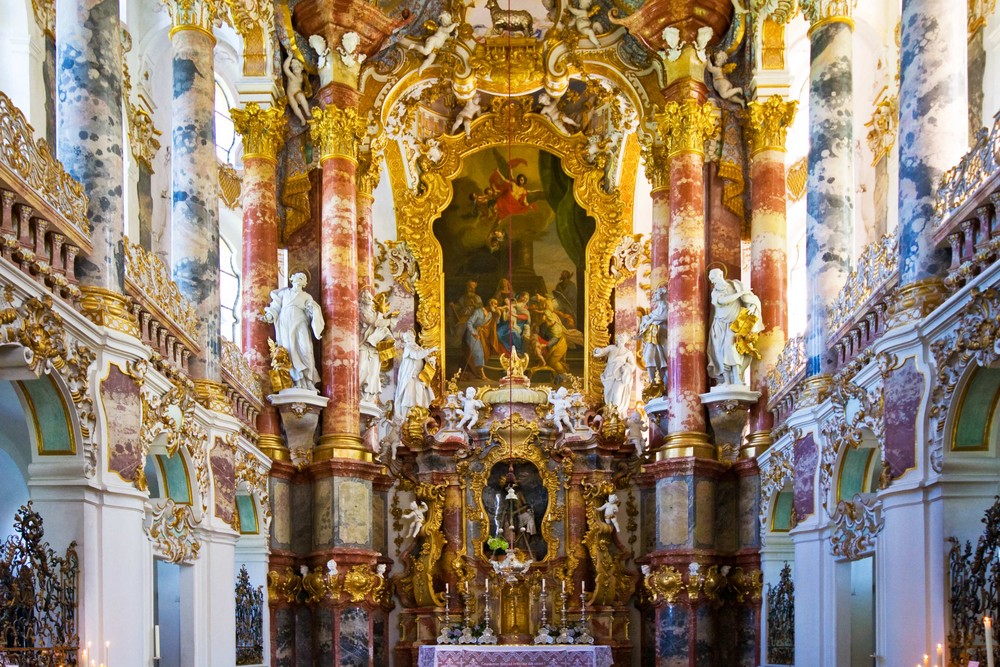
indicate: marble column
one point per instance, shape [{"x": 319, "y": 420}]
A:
[
  {"x": 933, "y": 131},
  {"x": 658, "y": 172},
  {"x": 335, "y": 130},
  {"x": 767, "y": 126},
  {"x": 263, "y": 132},
  {"x": 89, "y": 130},
  {"x": 368, "y": 178},
  {"x": 830, "y": 181},
  {"x": 194, "y": 213},
  {"x": 687, "y": 125}
]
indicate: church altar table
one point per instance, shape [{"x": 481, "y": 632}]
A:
[{"x": 514, "y": 656}]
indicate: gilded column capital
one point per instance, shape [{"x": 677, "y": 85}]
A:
[
  {"x": 263, "y": 130},
  {"x": 337, "y": 132},
  {"x": 369, "y": 173},
  {"x": 768, "y": 123},
  {"x": 199, "y": 15},
  {"x": 657, "y": 165},
  {"x": 45, "y": 16},
  {"x": 820, "y": 12},
  {"x": 142, "y": 137},
  {"x": 686, "y": 126}
]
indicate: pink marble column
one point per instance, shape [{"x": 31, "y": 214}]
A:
[
  {"x": 335, "y": 130},
  {"x": 658, "y": 171},
  {"x": 767, "y": 126},
  {"x": 263, "y": 133},
  {"x": 687, "y": 124},
  {"x": 368, "y": 178}
]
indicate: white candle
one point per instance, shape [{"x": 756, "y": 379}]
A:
[
  {"x": 447, "y": 589},
  {"x": 107, "y": 654},
  {"x": 583, "y": 587},
  {"x": 487, "y": 585},
  {"x": 563, "y": 585},
  {"x": 543, "y": 585},
  {"x": 156, "y": 641},
  {"x": 988, "y": 625},
  {"x": 466, "y": 587}
]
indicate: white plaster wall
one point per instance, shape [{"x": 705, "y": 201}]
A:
[{"x": 23, "y": 53}]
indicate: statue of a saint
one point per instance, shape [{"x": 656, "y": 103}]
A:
[
  {"x": 376, "y": 325},
  {"x": 412, "y": 382},
  {"x": 653, "y": 330},
  {"x": 735, "y": 325},
  {"x": 297, "y": 319},
  {"x": 618, "y": 376}
]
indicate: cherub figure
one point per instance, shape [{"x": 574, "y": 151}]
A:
[
  {"x": 323, "y": 63},
  {"x": 331, "y": 568},
  {"x": 349, "y": 51},
  {"x": 672, "y": 36},
  {"x": 610, "y": 509},
  {"x": 634, "y": 429},
  {"x": 721, "y": 68},
  {"x": 581, "y": 19},
  {"x": 468, "y": 114},
  {"x": 439, "y": 34},
  {"x": 561, "y": 403},
  {"x": 551, "y": 111},
  {"x": 295, "y": 83},
  {"x": 470, "y": 408},
  {"x": 415, "y": 516}
]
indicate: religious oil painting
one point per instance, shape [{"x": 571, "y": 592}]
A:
[{"x": 514, "y": 243}]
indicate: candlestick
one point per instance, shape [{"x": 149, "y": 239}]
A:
[
  {"x": 487, "y": 585},
  {"x": 988, "y": 625},
  {"x": 543, "y": 585},
  {"x": 927, "y": 660},
  {"x": 156, "y": 642}
]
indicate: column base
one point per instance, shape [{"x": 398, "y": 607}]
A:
[
  {"x": 274, "y": 447},
  {"x": 109, "y": 309},
  {"x": 342, "y": 446},
  {"x": 916, "y": 301},
  {"x": 213, "y": 396},
  {"x": 756, "y": 444},
  {"x": 686, "y": 444}
]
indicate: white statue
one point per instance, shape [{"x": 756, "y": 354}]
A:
[
  {"x": 653, "y": 331},
  {"x": 618, "y": 376},
  {"x": 415, "y": 516},
  {"x": 561, "y": 403},
  {"x": 331, "y": 568},
  {"x": 349, "y": 51},
  {"x": 550, "y": 110},
  {"x": 380, "y": 570},
  {"x": 323, "y": 63},
  {"x": 376, "y": 326},
  {"x": 634, "y": 429},
  {"x": 728, "y": 357},
  {"x": 442, "y": 32},
  {"x": 295, "y": 81},
  {"x": 721, "y": 68},
  {"x": 610, "y": 509},
  {"x": 701, "y": 42},
  {"x": 470, "y": 408},
  {"x": 297, "y": 319},
  {"x": 672, "y": 36},
  {"x": 467, "y": 114},
  {"x": 412, "y": 381},
  {"x": 579, "y": 18},
  {"x": 431, "y": 148}
]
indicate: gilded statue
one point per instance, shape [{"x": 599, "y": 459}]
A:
[
  {"x": 297, "y": 319},
  {"x": 735, "y": 326}
]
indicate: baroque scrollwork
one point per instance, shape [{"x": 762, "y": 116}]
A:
[
  {"x": 876, "y": 267},
  {"x": 963, "y": 181},
  {"x": 254, "y": 473},
  {"x": 171, "y": 529},
  {"x": 775, "y": 473},
  {"x": 856, "y": 524},
  {"x": 612, "y": 582}
]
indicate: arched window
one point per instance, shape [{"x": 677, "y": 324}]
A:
[
  {"x": 229, "y": 291},
  {"x": 225, "y": 132}
]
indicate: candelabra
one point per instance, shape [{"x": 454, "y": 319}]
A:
[
  {"x": 565, "y": 633},
  {"x": 466, "y": 637},
  {"x": 445, "y": 636},
  {"x": 544, "y": 635}
]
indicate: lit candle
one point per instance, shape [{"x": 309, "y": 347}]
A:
[
  {"x": 940, "y": 650},
  {"x": 583, "y": 587},
  {"x": 85, "y": 657},
  {"x": 107, "y": 654},
  {"x": 927, "y": 660},
  {"x": 447, "y": 589},
  {"x": 487, "y": 585},
  {"x": 563, "y": 585},
  {"x": 988, "y": 625},
  {"x": 543, "y": 585}
]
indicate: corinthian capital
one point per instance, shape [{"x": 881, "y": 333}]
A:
[
  {"x": 768, "y": 123},
  {"x": 823, "y": 11},
  {"x": 263, "y": 130},
  {"x": 193, "y": 15},
  {"x": 686, "y": 126},
  {"x": 336, "y": 131}
]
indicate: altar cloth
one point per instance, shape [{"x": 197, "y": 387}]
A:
[{"x": 514, "y": 656}]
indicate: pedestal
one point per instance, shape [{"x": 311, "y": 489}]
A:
[
  {"x": 299, "y": 410},
  {"x": 728, "y": 406}
]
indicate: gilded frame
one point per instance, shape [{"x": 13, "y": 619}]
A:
[{"x": 513, "y": 120}]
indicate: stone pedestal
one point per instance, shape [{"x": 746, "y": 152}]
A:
[
  {"x": 728, "y": 406},
  {"x": 299, "y": 410}
]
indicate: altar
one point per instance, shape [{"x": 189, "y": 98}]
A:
[{"x": 515, "y": 656}]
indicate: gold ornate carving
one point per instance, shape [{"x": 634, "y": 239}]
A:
[
  {"x": 876, "y": 266},
  {"x": 627, "y": 257},
  {"x": 790, "y": 364},
  {"x": 151, "y": 278},
  {"x": 170, "y": 527},
  {"x": 686, "y": 126},
  {"x": 284, "y": 586},
  {"x": 772, "y": 40},
  {"x": 775, "y": 473},
  {"x": 418, "y": 579},
  {"x": 213, "y": 396},
  {"x": 253, "y": 472},
  {"x": 142, "y": 136},
  {"x": 663, "y": 584},
  {"x": 109, "y": 309},
  {"x": 768, "y": 123},
  {"x": 295, "y": 197},
  {"x": 820, "y": 12},
  {"x": 337, "y": 131},
  {"x": 883, "y": 125},
  {"x": 511, "y": 119},
  {"x": 654, "y": 156},
  {"x": 856, "y": 524},
  {"x": 199, "y": 15},
  {"x": 31, "y": 165},
  {"x": 613, "y": 584},
  {"x": 915, "y": 301},
  {"x": 238, "y": 368},
  {"x": 45, "y": 16},
  {"x": 979, "y": 11},
  {"x": 263, "y": 130},
  {"x": 254, "y": 21},
  {"x": 230, "y": 185},
  {"x": 360, "y": 582},
  {"x": 962, "y": 183},
  {"x": 795, "y": 180},
  {"x": 281, "y": 367},
  {"x": 747, "y": 586}
]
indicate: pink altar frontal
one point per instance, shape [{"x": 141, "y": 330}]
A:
[{"x": 515, "y": 656}]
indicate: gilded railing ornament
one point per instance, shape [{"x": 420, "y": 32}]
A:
[
  {"x": 336, "y": 131},
  {"x": 171, "y": 529},
  {"x": 30, "y": 163},
  {"x": 768, "y": 123},
  {"x": 263, "y": 130},
  {"x": 877, "y": 266},
  {"x": 151, "y": 277},
  {"x": 962, "y": 182},
  {"x": 686, "y": 126},
  {"x": 790, "y": 364},
  {"x": 238, "y": 368}
]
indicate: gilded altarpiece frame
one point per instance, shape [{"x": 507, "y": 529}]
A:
[{"x": 512, "y": 122}]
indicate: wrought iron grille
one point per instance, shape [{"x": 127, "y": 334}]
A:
[
  {"x": 975, "y": 591},
  {"x": 781, "y": 620},
  {"x": 249, "y": 621},
  {"x": 38, "y": 597}
]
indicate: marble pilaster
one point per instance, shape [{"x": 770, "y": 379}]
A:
[
  {"x": 194, "y": 213},
  {"x": 335, "y": 131},
  {"x": 263, "y": 134},
  {"x": 768, "y": 124},
  {"x": 687, "y": 125},
  {"x": 830, "y": 181},
  {"x": 89, "y": 129},
  {"x": 368, "y": 178},
  {"x": 933, "y": 128},
  {"x": 658, "y": 171}
]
